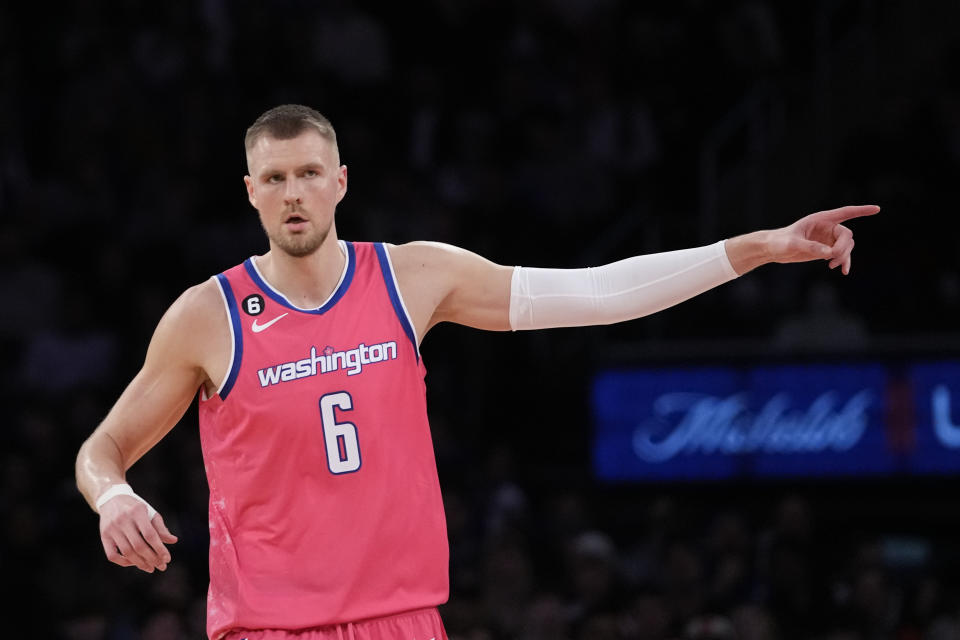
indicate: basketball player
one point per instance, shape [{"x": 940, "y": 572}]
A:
[{"x": 325, "y": 508}]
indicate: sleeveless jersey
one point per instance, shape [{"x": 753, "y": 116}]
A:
[{"x": 325, "y": 505}]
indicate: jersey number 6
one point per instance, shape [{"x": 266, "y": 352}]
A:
[{"x": 340, "y": 438}]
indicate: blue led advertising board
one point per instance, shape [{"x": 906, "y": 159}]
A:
[{"x": 809, "y": 420}]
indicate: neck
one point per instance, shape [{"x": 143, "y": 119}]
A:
[{"x": 306, "y": 281}]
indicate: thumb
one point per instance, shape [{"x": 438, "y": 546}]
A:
[{"x": 161, "y": 528}]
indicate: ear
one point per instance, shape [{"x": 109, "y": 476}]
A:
[
  {"x": 248, "y": 181},
  {"x": 341, "y": 182}
]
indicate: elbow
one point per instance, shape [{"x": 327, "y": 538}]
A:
[{"x": 82, "y": 462}]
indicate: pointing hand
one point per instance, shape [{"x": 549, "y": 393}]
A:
[{"x": 818, "y": 236}]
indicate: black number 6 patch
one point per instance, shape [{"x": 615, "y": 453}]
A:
[{"x": 253, "y": 304}]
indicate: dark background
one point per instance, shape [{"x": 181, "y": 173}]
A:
[{"x": 559, "y": 133}]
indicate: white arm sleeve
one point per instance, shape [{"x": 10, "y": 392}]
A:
[{"x": 624, "y": 290}]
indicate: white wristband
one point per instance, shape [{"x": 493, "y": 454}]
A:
[
  {"x": 624, "y": 290},
  {"x": 123, "y": 490}
]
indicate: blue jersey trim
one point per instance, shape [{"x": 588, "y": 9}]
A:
[
  {"x": 277, "y": 297},
  {"x": 237, "y": 336},
  {"x": 395, "y": 296}
]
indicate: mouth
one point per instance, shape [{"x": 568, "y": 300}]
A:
[{"x": 295, "y": 222}]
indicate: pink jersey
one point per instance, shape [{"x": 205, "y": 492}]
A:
[{"x": 325, "y": 506}]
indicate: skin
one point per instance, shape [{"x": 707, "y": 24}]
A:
[{"x": 295, "y": 186}]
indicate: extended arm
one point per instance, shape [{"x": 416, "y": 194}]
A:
[
  {"x": 443, "y": 283},
  {"x": 149, "y": 407}
]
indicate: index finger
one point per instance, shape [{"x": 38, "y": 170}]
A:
[{"x": 846, "y": 213}]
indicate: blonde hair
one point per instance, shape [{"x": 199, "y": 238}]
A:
[{"x": 288, "y": 121}]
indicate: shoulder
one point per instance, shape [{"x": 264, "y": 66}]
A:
[
  {"x": 436, "y": 268},
  {"x": 422, "y": 256},
  {"x": 441, "y": 262},
  {"x": 426, "y": 273},
  {"x": 194, "y": 321},
  {"x": 449, "y": 283},
  {"x": 197, "y": 304}
]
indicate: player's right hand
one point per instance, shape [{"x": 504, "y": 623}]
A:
[{"x": 130, "y": 538}]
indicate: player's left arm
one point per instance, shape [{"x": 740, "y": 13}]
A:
[{"x": 442, "y": 283}]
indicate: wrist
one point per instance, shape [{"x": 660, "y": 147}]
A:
[
  {"x": 122, "y": 489},
  {"x": 111, "y": 492},
  {"x": 749, "y": 251}
]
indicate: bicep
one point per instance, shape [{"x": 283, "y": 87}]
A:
[
  {"x": 444, "y": 283},
  {"x": 479, "y": 295}
]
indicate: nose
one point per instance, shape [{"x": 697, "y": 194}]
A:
[{"x": 291, "y": 193}]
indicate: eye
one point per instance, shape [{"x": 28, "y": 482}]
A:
[
  {"x": 311, "y": 173},
  {"x": 275, "y": 178}
]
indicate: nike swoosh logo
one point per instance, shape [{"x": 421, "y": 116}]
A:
[{"x": 257, "y": 328}]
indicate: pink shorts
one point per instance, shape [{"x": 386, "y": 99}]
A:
[{"x": 419, "y": 624}]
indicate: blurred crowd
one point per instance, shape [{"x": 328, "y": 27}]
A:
[
  {"x": 548, "y": 133},
  {"x": 552, "y": 565}
]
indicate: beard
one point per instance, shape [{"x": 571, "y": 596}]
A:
[{"x": 298, "y": 245}]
